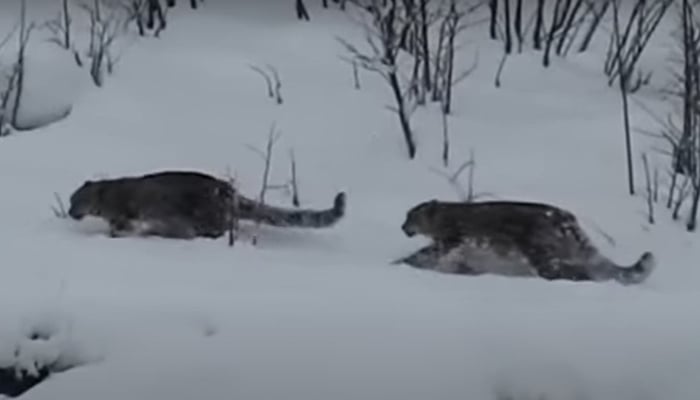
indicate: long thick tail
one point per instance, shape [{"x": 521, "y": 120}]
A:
[
  {"x": 637, "y": 272},
  {"x": 284, "y": 217}
]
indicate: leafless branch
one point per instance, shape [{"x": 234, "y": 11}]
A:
[
  {"x": 59, "y": 210},
  {"x": 60, "y": 27},
  {"x": 453, "y": 179},
  {"x": 627, "y": 45},
  {"x": 9, "y": 35},
  {"x": 13, "y": 90},
  {"x": 268, "y": 81},
  {"x": 650, "y": 190},
  {"x": 104, "y": 30},
  {"x": 445, "y": 140},
  {"x": 278, "y": 83},
  {"x": 384, "y": 37},
  {"x": 266, "y": 156},
  {"x": 233, "y": 211},
  {"x": 274, "y": 84},
  {"x": 499, "y": 71},
  {"x": 293, "y": 181},
  {"x": 9, "y": 87},
  {"x": 450, "y": 28}
]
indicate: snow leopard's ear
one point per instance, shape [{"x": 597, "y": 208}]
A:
[
  {"x": 97, "y": 190},
  {"x": 430, "y": 208}
]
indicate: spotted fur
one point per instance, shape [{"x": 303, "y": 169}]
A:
[
  {"x": 512, "y": 238},
  {"x": 184, "y": 204}
]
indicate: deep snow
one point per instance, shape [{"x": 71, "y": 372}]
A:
[{"x": 321, "y": 314}]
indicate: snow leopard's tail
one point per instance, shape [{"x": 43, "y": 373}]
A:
[
  {"x": 637, "y": 272},
  {"x": 284, "y": 217}
]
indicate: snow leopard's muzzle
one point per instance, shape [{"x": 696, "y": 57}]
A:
[
  {"x": 408, "y": 229},
  {"x": 76, "y": 212}
]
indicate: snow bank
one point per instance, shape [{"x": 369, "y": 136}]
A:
[{"x": 321, "y": 315}]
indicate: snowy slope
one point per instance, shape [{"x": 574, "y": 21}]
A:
[{"x": 321, "y": 314}]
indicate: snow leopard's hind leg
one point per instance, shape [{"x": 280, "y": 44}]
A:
[
  {"x": 433, "y": 257},
  {"x": 548, "y": 263}
]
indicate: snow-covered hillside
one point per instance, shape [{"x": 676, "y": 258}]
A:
[{"x": 322, "y": 315}]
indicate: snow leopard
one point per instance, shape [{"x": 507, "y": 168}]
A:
[
  {"x": 184, "y": 205},
  {"x": 512, "y": 238}
]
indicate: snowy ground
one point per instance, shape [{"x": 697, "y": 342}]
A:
[{"x": 322, "y": 314}]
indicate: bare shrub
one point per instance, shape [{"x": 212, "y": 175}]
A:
[
  {"x": 60, "y": 27},
  {"x": 619, "y": 40},
  {"x": 383, "y": 35},
  {"x": 563, "y": 16},
  {"x": 445, "y": 140},
  {"x": 149, "y": 14},
  {"x": 355, "y": 71},
  {"x": 554, "y": 29},
  {"x": 272, "y": 80},
  {"x": 10, "y": 79},
  {"x": 106, "y": 24},
  {"x": 651, "y": 189},
  {"x": 681, "y": 128},
  {"x": 266, "y": 155},
  {"x": 13, "y": 88},
  {"x": 467, "y": 194},
  {"x": 300, "y": 8},
  {"x": 627, "y": 45},
  {"x": 136, "y": 12},
  {"x": 451, "y": 26},
  {"x": 596, "y": 10},
  {"x": 233, "y": 213},
  {"x": 293, "y": 179},
  {"x": 59, "y": 209},
  {"x": 690, "y": 137}
]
